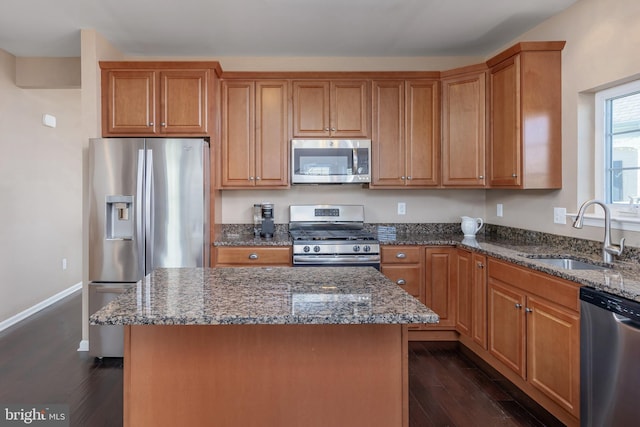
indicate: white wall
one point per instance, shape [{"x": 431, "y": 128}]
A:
[
  {"x": 603, "y": 42},
  {"x": 40, "y": 192}
]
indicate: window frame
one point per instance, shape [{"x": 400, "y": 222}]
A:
[{"x": 601, "y": 156}]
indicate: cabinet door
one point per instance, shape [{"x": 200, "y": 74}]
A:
[
  {"x": 463, "y": 130},
  {"x": 128, "y": 102},
  {"x": 349, "y": 110},
  {"x": 238, "y": 143},
  {"x": 440, "y": 276},
  {"x": 464, "y": 292},
  {"x": 422, "y": 135},
  {"x": 506, "y": 325},
  {"x": 479, "y": 299},
  {"x": 388, "y": 134},
  {"x": 272, "y": 134},
  {"x": 553, "y": 352},
  {"x": 311, "y": 109},
  {"x": 183, "y": 102},
  {"x": 505, "y": 144}
]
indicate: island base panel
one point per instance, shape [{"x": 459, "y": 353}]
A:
[{"x": 266, "y": 375}]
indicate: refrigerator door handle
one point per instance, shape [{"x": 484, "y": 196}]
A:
[
  {"x": 139, "y": 211},
  {"x": 149, "y": 214}
]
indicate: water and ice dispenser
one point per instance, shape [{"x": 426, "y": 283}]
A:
[{"x": 120, "y": 224}]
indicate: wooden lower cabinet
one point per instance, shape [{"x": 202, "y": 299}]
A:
[
  {"x": 470, "y": 295},
  {"x": 404, "y": 265},
  {"x": 248, "y": 256},
  {"x": 440, "y": 274},
  {"x": 534, "y": 331}
]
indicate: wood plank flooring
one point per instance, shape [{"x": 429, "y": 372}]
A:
[{"x": 39, "y": 363}]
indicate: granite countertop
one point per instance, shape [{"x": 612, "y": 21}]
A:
[
  {"x": 620, "y": 278},
  {"x": 282, "y": 295}
]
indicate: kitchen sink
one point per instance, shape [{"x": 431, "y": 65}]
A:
[{"x": 566, "y": 263}]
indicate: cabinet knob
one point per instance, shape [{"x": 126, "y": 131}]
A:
[
  {"x": 409, "y": 178},
  {"x": 513, "y": 175},
  {"x": 528, "y": 310},
  {"x": 481, "y": 177},
  {"x": 333, "y": 129},
  {"x": 163, "y": 124},
  {"x": 518, "y": 306},
  {"x": 151, "y": 124},
  {"x": 401, "y": 255},
  {"x": 257, "y": 178},
  {"x": 250, "y": 178},
  {"x": 480, "y": 265},
  {"x": 326, "y": 129},
  {"x": 253, "y": 256},
  {"x": 401, "y": 282},
  {"x": 402, "y": 178}
]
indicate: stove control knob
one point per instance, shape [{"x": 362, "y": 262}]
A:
[
  {"x": 367, "y": 248},
  {"x": 356, "y": 248},
  {"x": 306, "y": 249},
  {"x": 316, "y": 248}
]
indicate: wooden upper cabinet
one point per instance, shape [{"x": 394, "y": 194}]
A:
[
  {"x": 157, "y": 98},
  {"x": 525, "y": 144},
  {"x": 128, "y": 102},
  {"x": 183, "y": 102},
  {"x": 464, "y": 129},
  {"x": 422, "y": 135},
  {"x": 331, "y": 109},
  {"x": 254, "y": 134},
  {"x": 405, "y": 133}
]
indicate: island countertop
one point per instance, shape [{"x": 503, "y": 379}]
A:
[{"x": 276, "y": 296}]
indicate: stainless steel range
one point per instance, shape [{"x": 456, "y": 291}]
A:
[{"x": 332, "y": 235}]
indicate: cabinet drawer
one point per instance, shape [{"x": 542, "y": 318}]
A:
[
  {"x": 401, "y": 254},
  {"x": 248, "y": 256},
  {"x": 408, "y": 278}
]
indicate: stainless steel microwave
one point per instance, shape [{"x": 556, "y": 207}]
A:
[{"x": 330, "y": 161}]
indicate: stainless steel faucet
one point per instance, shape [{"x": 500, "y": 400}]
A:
[{"x": 608, "y": 250}]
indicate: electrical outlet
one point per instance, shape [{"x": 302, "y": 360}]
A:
[
  {"x": 499, "y": 211},
  {"x": 64, "y": 263},
  {"x": 402, "y": 208},
  {"x": 559, "y": 215}
]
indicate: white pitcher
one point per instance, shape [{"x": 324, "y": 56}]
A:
[{"x": 470, "y": 226}]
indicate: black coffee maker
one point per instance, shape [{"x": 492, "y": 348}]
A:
[{"x": 267, "y": 228}]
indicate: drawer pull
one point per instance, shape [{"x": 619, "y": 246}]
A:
[
  {"x": 253, "y": 256},
  {"x": 401, "y": 282},
  {"x": 401, "y": 255},
  {"x": 518, "y": 306},
  {"x": 528, "y": 310}
]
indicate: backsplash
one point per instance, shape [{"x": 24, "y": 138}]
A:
[{"x": 488, "y": 231}]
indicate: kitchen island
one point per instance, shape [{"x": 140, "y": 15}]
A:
[{"x": 266, "y": 347}]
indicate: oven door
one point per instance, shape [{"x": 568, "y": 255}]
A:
[
  {"x": 334, "y": 161},
  {"x": 337, "y": 261}
]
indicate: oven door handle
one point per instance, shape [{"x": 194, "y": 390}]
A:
[{"x": 331, "y": 259}]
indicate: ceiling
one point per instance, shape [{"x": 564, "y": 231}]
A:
[{"x": 210, "y": 28}]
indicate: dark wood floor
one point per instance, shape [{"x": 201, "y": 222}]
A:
[{"x": 39, "y": 363}]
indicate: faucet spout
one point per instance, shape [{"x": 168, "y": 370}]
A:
[{"x": 608, "y": 250}]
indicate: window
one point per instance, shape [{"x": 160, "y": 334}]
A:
[{"x": 618, "y": 111}]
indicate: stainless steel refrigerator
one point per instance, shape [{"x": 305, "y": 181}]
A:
[{"x": 148, "y": 208}]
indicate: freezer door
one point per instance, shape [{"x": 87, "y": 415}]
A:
[
  {"x": 177, "y": 202},
  {"x": 116, "y": 240}
]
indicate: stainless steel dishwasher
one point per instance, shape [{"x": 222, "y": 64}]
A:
[{"x": 609, "y": 359}]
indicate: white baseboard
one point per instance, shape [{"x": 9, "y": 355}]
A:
[
  {"x": 84, "y": 345},
  {"x": 39, "y": 306}
]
